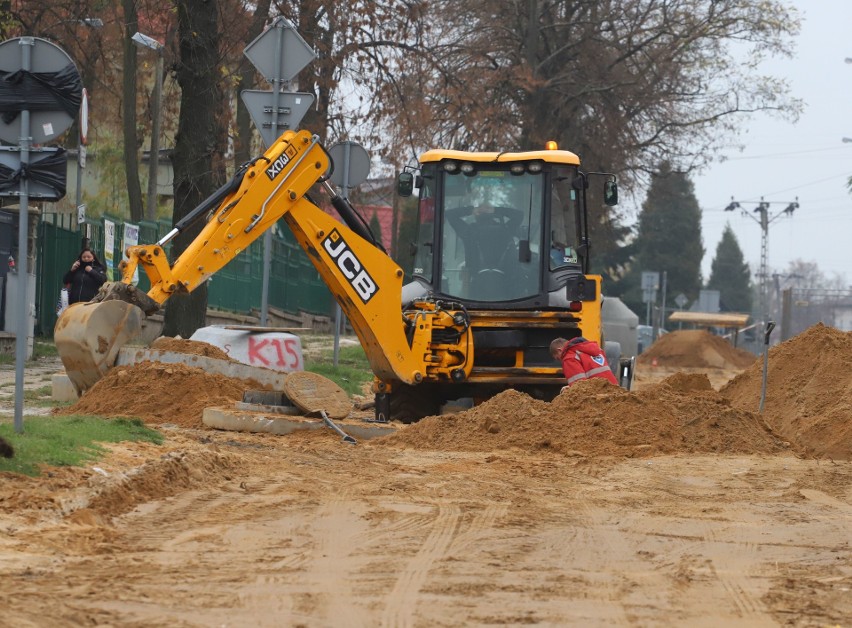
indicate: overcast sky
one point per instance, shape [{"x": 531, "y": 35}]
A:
[{"x": 783, "y": 160}]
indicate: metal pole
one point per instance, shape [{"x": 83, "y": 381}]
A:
[
  {"x": 770, "y": 325},
  {"x": 78, "y": 200},
  {"x": 338, "y": 312},
  {"x": 663, "y": 298},
  {"x": 22, "y": 329},
  {"x": 154, "y": 159},
  {"x": 267, "y": 237},
  {"x": 764, "y": 254}
]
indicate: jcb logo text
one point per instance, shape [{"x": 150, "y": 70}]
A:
[{"x": 350, "y": 266}]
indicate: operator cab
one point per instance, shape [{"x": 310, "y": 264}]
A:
[{"x": 499, "y": 228}]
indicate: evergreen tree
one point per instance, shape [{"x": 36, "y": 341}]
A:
[
  {"x": 668, "y": 238},
  {"x": 730, "y": 274},
  {"x": 376, "y": 229}
]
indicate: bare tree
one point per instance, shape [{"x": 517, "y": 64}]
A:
[
  {"x": 625, "y": 83},
  {"x": 245, "y": 79},
  {"x": 198, "y": 163},
  {"x": 128, "y": 111}
]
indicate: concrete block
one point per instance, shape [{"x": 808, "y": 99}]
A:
[
  {"x": 242, "y": 421},
  {"x": 252, "y": 375},
  {"x": 61, "y": 388},
  {"x": 279, "y": 351}
]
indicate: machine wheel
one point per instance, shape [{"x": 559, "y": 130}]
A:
[
  {"x": 626, "y": 370},
  {"x": 409, "y": 404}
]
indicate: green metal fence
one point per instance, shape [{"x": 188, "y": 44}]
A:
[
  {"x": 294, "y": 283},
  {"x": 57, "y": 247}
]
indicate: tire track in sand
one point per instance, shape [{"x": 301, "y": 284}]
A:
[{"x": 402, "y": 599}]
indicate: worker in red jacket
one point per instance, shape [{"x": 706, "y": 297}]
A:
[{"x": 581, "y": 359}]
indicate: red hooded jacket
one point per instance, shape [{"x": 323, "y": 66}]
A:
[{"x": 582, "y": 359}]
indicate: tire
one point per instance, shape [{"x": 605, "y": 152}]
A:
[
  {"x": 612, "y": 350},
  {"x": 409, "y": 404}
]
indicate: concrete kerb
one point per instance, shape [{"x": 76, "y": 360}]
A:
[{"x": 235, "y": 420}]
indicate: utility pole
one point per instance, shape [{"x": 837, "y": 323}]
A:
[{"x": 764, "y": 219}]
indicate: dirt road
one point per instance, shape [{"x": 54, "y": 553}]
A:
[
  {"x": 226, "y": 529},
  {"x": 221, "y": 529}
]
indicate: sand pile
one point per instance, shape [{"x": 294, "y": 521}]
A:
[
  {"x": 682, "y": 414},
  {"x": 695, "y": 348},
  {"x": 808, "y": 392},
  {"x": 191, "y": 347},
  {"x": 158, "y": 393}
]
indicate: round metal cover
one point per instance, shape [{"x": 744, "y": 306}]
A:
[
  {"x": 312, "y": 392},
  {"x": 44, "y": 56},
  {"x": 351, "y": 167}
]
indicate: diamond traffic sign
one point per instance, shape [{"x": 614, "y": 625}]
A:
[
  {"x": 279, "y": 52},
  {"x": 292, "y": 107}
]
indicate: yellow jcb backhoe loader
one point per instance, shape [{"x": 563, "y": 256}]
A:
[{"x": 500, "y": 263}]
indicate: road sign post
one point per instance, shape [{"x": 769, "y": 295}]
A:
[
  {"x": 650, "y": 285},
  {"x": 39, "y": 104},
  {"x": 279, "y": 53},
  {"x": 352, "y": 166}
]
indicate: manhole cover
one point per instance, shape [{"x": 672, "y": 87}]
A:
[{"x": 312, "y": 392}]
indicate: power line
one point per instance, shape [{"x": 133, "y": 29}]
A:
[
  {"x": 786, "y": 154},
  {"x": 764, "y": 219},
  {"x": 844, "y": 175}
]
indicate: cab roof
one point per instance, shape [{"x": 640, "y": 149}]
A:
[{"x": 552, "y": 156}]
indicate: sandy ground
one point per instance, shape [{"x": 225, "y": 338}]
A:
[{"x": 225, "y": 529}]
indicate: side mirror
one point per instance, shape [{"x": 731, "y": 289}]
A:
[
  {"x": 611, "y": 192},
  {"x": 405, "y": 184}
]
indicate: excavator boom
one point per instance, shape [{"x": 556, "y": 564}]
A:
[{"x": 363, "y": 278}]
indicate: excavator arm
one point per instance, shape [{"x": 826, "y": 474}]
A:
[{"x": 364, "y": 280}]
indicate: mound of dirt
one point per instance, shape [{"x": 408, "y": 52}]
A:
[
  {"x": 808, "y": 391},
  {"x": 695, "y": 348},
  {"x": 158, "y": 393},
  {"x": 190, "y": 347},
  {"x": 682, "y": 414}
]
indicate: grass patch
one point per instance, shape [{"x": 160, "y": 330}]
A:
[
  {"x": 352, "y": 370},
  {"x": 44, "y": 349},
  {"x": 68, "y": 441},
  {"x": 38, "y": 394}
]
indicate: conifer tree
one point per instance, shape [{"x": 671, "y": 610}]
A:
[
  {"x": 730, "y": 274},
  {"x": 668, "y": 238}
]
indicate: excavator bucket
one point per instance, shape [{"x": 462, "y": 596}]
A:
[{"x": 89, "y": 335}]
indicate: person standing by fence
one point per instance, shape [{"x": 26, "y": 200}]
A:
[{"x": 86, "y": 276}]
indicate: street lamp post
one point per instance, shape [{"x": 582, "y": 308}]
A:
[{"x": 143, "y": 41}]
